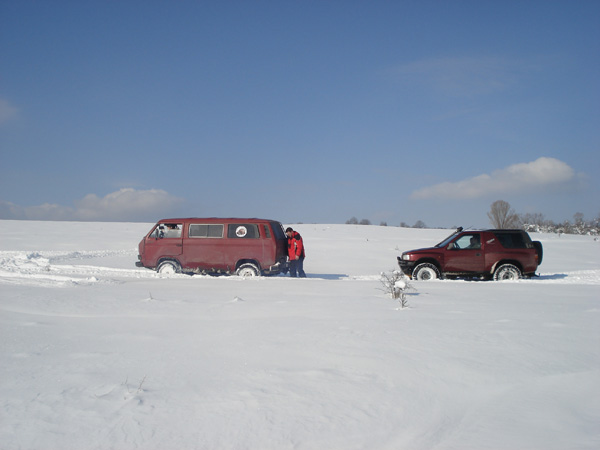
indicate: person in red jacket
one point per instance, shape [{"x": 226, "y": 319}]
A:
[{"x": 295, "y": 253}]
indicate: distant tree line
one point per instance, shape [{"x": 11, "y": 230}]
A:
[
  {"x": 503, "y": 216},
  {"x": 537, "y": 223},
  {"x": 355, "y": 221}
]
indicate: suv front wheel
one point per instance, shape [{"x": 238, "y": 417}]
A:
[
  {"x": 426, "y": 272},
  {"x": 507, "y": 272}
]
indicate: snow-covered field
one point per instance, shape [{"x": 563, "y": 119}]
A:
[{"x": 98, "y": 354}]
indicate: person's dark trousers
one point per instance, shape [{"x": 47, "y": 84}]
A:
[{"x": 297, "y": 267}]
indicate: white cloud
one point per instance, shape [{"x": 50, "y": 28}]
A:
[
  {"x": 462, "y": 76},
  {"x": 123, "y": 205},
  {"x": 7, "y": 111},
  {"x": 46, "y": 211},
  {"x": 533, "y": 176}
]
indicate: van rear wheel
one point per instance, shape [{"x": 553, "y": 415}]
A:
[
  {"x": 168, "y": 267},
  {"x": 247, "y": 270}
]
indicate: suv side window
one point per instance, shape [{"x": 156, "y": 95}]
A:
[
  {"x": 205, "y": 230},
  {"x": 242, "y": 230},
  {"x": 468, "y": 242}
]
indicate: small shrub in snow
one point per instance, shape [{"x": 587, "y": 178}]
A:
[
  {"x": 130, "y": 393},
  {"x": 396, "y": 284}
]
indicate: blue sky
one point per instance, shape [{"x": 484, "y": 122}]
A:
[{"x": 300, "y": 111}]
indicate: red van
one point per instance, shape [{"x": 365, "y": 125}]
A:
[{"x": 246, "y": 247}]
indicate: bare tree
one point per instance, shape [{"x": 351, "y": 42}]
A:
[
  {"x": 364, "y": 222},
  {"x": 352, "y": 221},
  {"x": 533, "y": 219},
  {"x": 502, "y": 216}
]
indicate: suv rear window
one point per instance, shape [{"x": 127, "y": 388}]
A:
[{"x": 511, "y": 240}]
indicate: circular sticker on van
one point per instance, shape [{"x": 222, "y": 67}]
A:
[{"x": 241, "y": 231}]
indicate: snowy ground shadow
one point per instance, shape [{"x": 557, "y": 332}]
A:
[
  {"x": 327, "y": 276},
  {"x": 553, "y": 276}
]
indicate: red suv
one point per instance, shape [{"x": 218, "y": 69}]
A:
[
  {"x": 497, "y": 254},
  {"x": 246, "y": 247}
]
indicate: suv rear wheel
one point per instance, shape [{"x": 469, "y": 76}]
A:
[
  {"x": 507, "y": 272},
  {"x": 426, "y": 272}
]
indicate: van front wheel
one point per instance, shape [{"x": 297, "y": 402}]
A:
[
  {"x": 168, "y": 268},
  {"x": 247, "y": 270}
]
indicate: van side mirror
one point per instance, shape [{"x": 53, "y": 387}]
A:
[{"x": 451, "y": 246}]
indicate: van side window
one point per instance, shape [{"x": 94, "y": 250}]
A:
[
  {"x": 278, "y": 231},
  {"x": 267, "y": 231},
  {"x": 242, "y": 230},
  {"x": 205, "y": 230}
]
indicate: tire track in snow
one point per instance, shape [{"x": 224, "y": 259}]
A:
[
  {"x": 41, "y": 268},
  {"x": 50, "y": 268}
]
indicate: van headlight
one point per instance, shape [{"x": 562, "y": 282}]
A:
[{"x": 406, "y": 256}]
